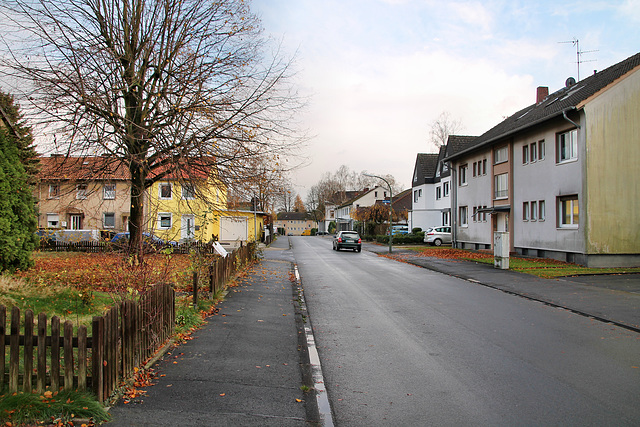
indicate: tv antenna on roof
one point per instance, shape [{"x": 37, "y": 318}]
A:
[{"x": 579, "y": 53}]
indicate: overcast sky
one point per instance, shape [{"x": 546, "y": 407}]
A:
[{"x": 378, "y": 72}]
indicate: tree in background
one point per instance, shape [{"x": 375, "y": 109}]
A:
[
  {"x": 443, "y": 126},
  {"x": 298, "y": 205},
  {"x": 168, "y": 87},
  {"x": 18, "y": 222},
  {"x": 375, "y": 215}
]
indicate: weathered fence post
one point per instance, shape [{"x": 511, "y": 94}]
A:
[
  {"x": 41, "y": 382},
  {"x": 3, "y": 333},
  {"x": 195, "y": 290},
  {"x": 82, "y": 357},
  {"x": 14, "y": 350},
  {"x": 97, "y": 349},
  {"x": 55, "y": 353},
  {"x": 28, "y": 352},
  {"x": 68, "y": 355}
]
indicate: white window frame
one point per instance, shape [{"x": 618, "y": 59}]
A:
[
  {"x": 161, "y": 186},
  {"x": 484, "y": 166},
  {"x": 541, "y": 210},
  {"x": 567, "y": 146},
  {"x": 160, "y": 219},
  {"x": 81, "y": 191},
  {"x": 525, "y": 154},
  {"x": 501, "y": 186},
  {"x": 53, "y": 218},
  {"x": 533, "y": 153},
  {"x": 534, "y": 210},
  {"x": 501, "y": 155},
  {"x": 541, "y": 149},
  {"x": 525, "y": 211},
  {"x": 438, "y": 193},
  {"x": 104, "y": 219},
  {"x": 188, "y": 187},
  {"x": 445, "y": 189},
  {"x": 462, "y": 216},
  {"x": 54, "y": 191},
  {"x": 109, "y": 191},
  {"x": 415, "y": 196},
  {"x": 572, "y": 203},
  {"x": 462, "y": 171}
]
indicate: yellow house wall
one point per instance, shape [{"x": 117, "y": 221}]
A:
[
  {"x": 612, "y": 172},
  {"x": 206, "y": 208}
]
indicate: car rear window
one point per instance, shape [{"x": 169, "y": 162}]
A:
[{"x": 350, "y": 235}]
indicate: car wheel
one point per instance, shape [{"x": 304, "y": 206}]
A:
[
  {"x": 437, "y": 242},
  {"x": 359, "y": 249}
]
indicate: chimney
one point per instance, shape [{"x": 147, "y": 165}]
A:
[{"x": 541, "y": 94}]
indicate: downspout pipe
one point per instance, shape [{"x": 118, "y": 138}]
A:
[{"x": 564, "y": 114}]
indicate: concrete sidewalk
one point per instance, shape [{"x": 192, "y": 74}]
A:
[
  {"x": 609, "y": 298},
  {"x": 245, "y": 367}
]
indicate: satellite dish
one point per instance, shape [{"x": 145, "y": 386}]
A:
[{"x": 570, "y": 82}]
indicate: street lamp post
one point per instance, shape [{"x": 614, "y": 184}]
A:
[{"x": 390, "y": 209}]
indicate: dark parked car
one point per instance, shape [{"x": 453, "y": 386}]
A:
[
  {"x": 148, "y": 239},
  {"x": 347, "y": 240}
]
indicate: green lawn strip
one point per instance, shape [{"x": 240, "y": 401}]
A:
[{"x": 33, "y": 408}]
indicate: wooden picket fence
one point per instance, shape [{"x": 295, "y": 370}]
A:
[{"x": 122, "y": 339}]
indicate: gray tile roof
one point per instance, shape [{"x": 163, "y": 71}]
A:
[
  {"x": 425, "y": 168},
  {"x": 552, "y": 106}
]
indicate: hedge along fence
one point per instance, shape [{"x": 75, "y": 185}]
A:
[{"x": 123, "y": 338}]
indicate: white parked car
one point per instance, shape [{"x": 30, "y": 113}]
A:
[{"x": 437, "y": 235}]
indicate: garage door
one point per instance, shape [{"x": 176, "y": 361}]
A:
[{"x": 233, "y": 228}]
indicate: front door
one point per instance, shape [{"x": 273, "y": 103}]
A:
[
  {"x": 188, "y": 227},
  {"x": 76, "y": 222}
]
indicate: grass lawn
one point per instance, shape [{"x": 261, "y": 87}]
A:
[{"x": 540, "y": 267}]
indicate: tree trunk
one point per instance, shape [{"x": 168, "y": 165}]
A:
[{"x": 136, "y": 214}]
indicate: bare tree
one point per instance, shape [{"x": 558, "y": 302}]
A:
[
  {"x": 169, "y": 87},
  {"x": 443, "y": 126}
]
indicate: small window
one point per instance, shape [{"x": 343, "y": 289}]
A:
[
  {"x": 501, "y": 186},
  {"x": 54, "y": 191},
  {"x": 164, "y": 191},
  {"x": 534, "y": 211},
  {"x": 567, "y": 146},
  {"x": 463, "y": 174},
  {"x": 109, "y": 220},
  {"x": 525, "y": 211},
  {"x": 541, "y": 210},
  {"x": 534, "y": 152},
  {"x": 109, "y": 192},
  {"x": 81, "y": 191},
  {"x": 475, "y": 169},
  {"x": 568, "y": 212},
  {"x": 541, "y": 150},
  {"x": 415, "y": 196},
  {"x": 53, "y": 220},
  {"x": 164, "y": 221},
  {"x": 188, "y": 191},
  {"x": 475, "y": 214},
  {"x": 501, "y": 154},
  {"x": 484, "y": 167},
  {"x": 525, "y": 154},
  {"x": 462, "y": 216},
  {"x": 438, "y": 193},
  {"x": 445, "y": 189}
]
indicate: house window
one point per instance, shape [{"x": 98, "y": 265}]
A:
[
  {"x": 415, "y": 196},
  {"x": 446, "y": 218},
  {"x": 567, "y": 146},
  {"x": 541, "y": 150},
  {"x": 109, "y": 192},
  {"x": 54, "y": 191},
  {"x": 541, "y": 210},
  {"x": 53, "y": 220},
  {"x": 534, "y": 211},
  {"x": 164, "y": 221},
  {"x": 463, "y": 174},
  {"x": 484, "y": 167},
  {"x": 484, "y": 215},
  {"x": 475, "y": 168},
  {"x": 438, "y": 193},
  {"x": 525, "y": 211},
  {"x": 81, "y": 191},
  {"x": 534, "y": 152},
  {"x": 501, "y": 186},
  {"x": 501, "y": 155},
  {"x": 375, "y": 194},
  {"x": 188, "y": 191},
  {"x": 475, "y": 214},
  {"x": 525, "y": 154},
  {"x": 445, "y": 189},
  {"x": 568, "y": 212},
  {"x": 109, "y": 220},
  {"x": 462, "y": 216},
  {"x": 164, "y": 191}
]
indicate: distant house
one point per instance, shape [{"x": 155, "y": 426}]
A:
[
  {"x": 78, "y": 193},
  {"x": 344, "y": 212},
  {"x": 294, "y": 223},
  {"x": 431, "y": 186},
  {"x": 561, "y": 175}
]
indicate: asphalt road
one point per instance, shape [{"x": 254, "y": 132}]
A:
[{"x": 402, "y": 345}]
